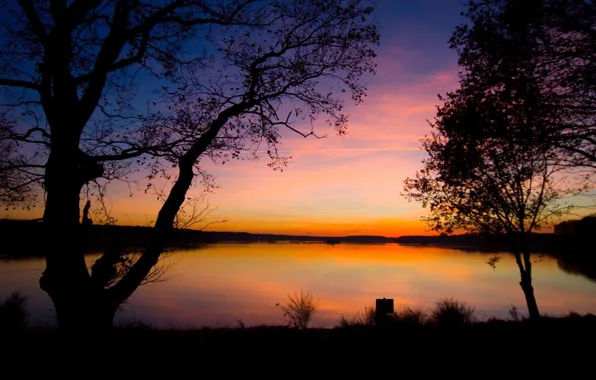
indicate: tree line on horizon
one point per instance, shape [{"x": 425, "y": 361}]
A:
[{"x": 96, "y": 91}]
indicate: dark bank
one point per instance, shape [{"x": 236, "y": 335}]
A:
[{"x": 494, "y": 349}]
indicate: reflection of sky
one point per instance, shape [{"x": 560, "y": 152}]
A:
[{"x": 216, "y": 285}]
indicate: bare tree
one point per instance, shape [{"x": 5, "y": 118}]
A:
[{"x": 229, "y": 74}]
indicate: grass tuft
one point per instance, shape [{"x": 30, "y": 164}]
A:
[
  {"x": 450, "y": 312},
  {"x": 514, "y": 314},
  {"x": 367, "y": 318},
  {"x": 412, "y": 317},
  {"x": 300, "y": 310}
]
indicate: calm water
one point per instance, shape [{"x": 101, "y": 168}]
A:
[{"x": 216, "y": 285}]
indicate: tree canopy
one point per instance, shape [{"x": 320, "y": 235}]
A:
[
  {"x": 136, "y": 83},
  {"x": 508, "y": 146},
  {"x": 479, "y": 178},
  {"x": 541, "y": 53}
]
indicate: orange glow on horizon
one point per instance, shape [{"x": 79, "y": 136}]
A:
[{"x": 388, "y": 228}]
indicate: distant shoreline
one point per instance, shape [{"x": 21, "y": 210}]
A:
[{"x": 16, "y": 239}]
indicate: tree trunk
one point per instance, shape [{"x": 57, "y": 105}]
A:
[
  {"x": 526, "y": 285},
  {"x": 80, "y": 300},
  {"x": 78, "y": 304},
  {"x": 528, "y": 289},
  {"x": 161, "y": 233},
  {"x": 525, "y": 271}
]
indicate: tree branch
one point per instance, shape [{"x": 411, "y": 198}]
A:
[
  {"x": 79, "y": 8},
  {"x": 137, "y": 58},
  {"x": 19, "y": 83},
  {"x": 108, "y": 53},
  {"x": 581, "y": 152},
  {"x": 33, "y": 18}
]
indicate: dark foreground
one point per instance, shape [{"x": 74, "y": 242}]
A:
[{"x": 550, "y": 348}]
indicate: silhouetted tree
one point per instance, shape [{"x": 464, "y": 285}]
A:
[
  {"x": 541, "y": 53},
  {"x": 228, "y": 73},
  {"x": 480, "y": 179}
]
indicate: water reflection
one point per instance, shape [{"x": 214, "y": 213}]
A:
[
  {"x": 220, "y": 283},
  {"x": 578, "y": 264}
]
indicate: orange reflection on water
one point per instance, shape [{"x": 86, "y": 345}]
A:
[
  {"x": 221, "y": 283},
  {"x": 218, "y": 284}
]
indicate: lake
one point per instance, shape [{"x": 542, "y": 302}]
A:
[{"x": 216, "y": 285}]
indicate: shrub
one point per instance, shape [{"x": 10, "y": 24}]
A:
[
  {"x": 299, "y": 310},
  {"x": 240, "y": 323},
  {"x": 367, "y": 318},
  {"x": 409, "y": 316},
  {"x": 451, "y": 312},
  {"x": 13, "y": 313},
  {"x": 344, "y": 322},
  {"x": 514, "y": 314},
  {"x": 574, "y": 315}
]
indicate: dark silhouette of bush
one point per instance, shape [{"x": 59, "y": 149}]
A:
[
  {"x": 412, "y": 317},
  {"x": 13, "y": 313},
  {"x": 407, "y": 316},
  {"x": 300, "y": 310},
  {"x": 367, "y": 318},
  {"x": 449, "y": 312}
]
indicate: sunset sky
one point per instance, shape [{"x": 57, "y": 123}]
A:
[
  {"x": 346, "y": 185},
  {"x": 350, "y": 185}
]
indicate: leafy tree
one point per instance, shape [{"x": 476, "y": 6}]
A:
[
  {"x": 541, "y": 53},
  {"x": 480, "y": 178},
  {"x": 75, "y": 77}
]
